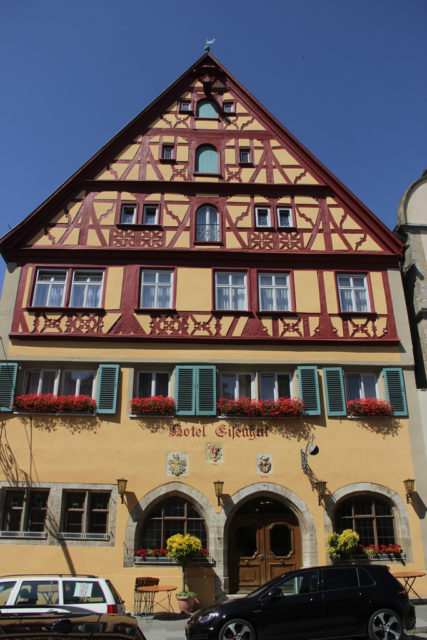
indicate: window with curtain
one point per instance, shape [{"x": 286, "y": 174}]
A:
[
  {"x": 86, "y": 289},
  {"x": 230, "y": 291},
  {"x": 156, "y": 289},
  {"x": 370, "y": 516},
  {"x": 152, "y": 383},
  {"x": 41, "y": 381},
  {"x": 207, "y": 109},
  {"x": 353, "y": 293},
  {"x": 174, "y": 515},
  {"x": 361, "y": 385},
  {"x": 237, "y": 385},
  {"x": 273, "y": 291},
  {"x": 273, "y": 386},
  {"x": 206, "y": 159},
  {"x": 207, "y": 227},
  {"x": 78, "y": 383},
  {"x": 50, "y": 288}
]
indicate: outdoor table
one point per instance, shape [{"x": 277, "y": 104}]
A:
[
  {"x": 149, "y": 599},
  {"x": 409, "y": 578}
]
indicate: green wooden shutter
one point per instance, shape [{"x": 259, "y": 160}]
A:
[
  {"x": 334, "y": 388},
  {"x": 206, "y": 391},
  {"x": 108, "y": 382},
  {"x": 309, "y": 389},
  {"x": 8, "y": 372},
  {"x": 185, "y": 390},
  {"x": 395, "y": 388}
]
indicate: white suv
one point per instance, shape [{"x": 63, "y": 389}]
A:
[{"x": 47, "y": 593}]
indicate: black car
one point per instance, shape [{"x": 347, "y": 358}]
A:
[
  {"x": 69, "y": 624},
  {"x": 320, "y": 602}
]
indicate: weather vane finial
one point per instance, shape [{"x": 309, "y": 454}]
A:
[{"x": 208, "y": 44}]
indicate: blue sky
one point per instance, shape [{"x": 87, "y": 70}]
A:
[{"x": 346, "y": 77}]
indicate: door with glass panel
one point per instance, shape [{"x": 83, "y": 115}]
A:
[{"x": 265, "y": 541}]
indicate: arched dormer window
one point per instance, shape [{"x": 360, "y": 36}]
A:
[
  {"x": 206, "y": 159},
  {"x": 207, "y": 109},
  {"x": 207, "y": 227}
]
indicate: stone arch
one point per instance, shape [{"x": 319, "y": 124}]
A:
[
  {"x": 136, "y": 518},
  {"x": 290, "y": 500},
  {"x": 400, "y": 512}
]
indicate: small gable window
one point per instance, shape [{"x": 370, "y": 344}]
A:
[
  {"x": 206, "y": 159},
  {"x": 244, "y": 156},
  {"x": 229, "y": 107},
  {"x": 284, "y": 217},
  {"x": 128, "y": 214},
  {"x": 207, "y": 109},
  {"x": 207, "y": 227},
  {"x": 150, "y": 214},
  {"x": 262, "y": 217},
  {"x": 185, "y": 106},
  {"x": 167, "y": 152}
]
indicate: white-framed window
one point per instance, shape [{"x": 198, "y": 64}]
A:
[
  {"x": 207, "y": 227},
  {"x": 272, "y": 386},
  {"x": 229, "y": 107},
  {"x": 167, "y": 151},
  {"x": 86, "y": 288},
  {"x": 244, "y": 155},
  {"x": 78, "y": 382},
  {"x": 237, "y": 385},
  {"x": 128, "y": 214},
  {"x": 230, "y": 291},
  {"x": 50, "y": 288},
  {"x": 262, "y": 217},
  {"x": 353, "y": 293},
  {"x": 156, "y": 289},
  {"x": 150, "y": 214},
  {"x": 361, "y": 385},
  {"x": 41, "y": 381},
  {"x": 284, "y": 216},
  {"x": 152, "y": 383},
  {"x": 185, "y": 106},
  {"x": 273, "y": 289}
]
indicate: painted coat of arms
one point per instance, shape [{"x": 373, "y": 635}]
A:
[{"x": 177, "y": 464}]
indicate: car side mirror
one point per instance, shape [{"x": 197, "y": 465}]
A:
[{"x": 276, "y": 592}]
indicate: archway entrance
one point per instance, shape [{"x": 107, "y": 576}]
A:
[{"x": 264, "y": 542}]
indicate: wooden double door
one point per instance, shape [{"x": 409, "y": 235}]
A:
[{"x": 265, "y": 541}]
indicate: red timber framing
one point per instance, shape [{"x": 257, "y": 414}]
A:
[{"x": 81, "y": 227}]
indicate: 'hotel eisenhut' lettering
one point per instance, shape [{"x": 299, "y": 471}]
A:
[{"x": 221, "y": 431}]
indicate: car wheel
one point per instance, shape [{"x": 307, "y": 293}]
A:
[
  {"x": 385, "y": 624},
  {"x": 237, "y": 630}
]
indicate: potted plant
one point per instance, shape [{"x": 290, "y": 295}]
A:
[
  {"x": 183, "y": 549},
  {"x": 369, "y": 407},
  {"x": 282, "y": 408},
  {"x": 342, "y": 545}
]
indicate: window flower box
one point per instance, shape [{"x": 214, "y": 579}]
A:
[
  {"x": 48, "y": 403},
  {"x": 281, "y": 408},
  {"x": 162, "y": 556},
  {"x": 154, "y": 405},
  {"x": 369, "y": 407}
]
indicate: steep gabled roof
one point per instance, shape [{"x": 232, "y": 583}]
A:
[{"x": 14, "y": 239}]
